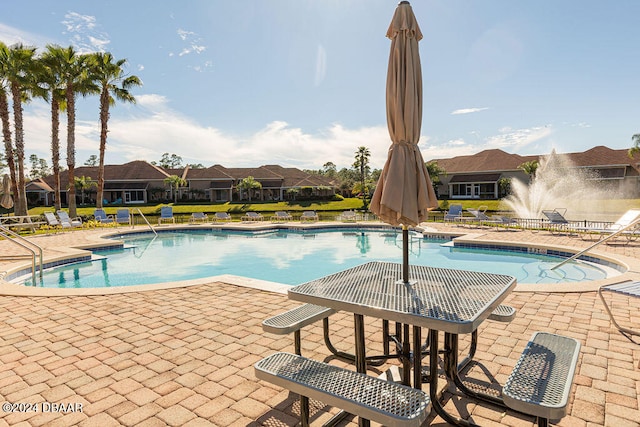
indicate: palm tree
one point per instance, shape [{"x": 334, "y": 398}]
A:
[
  {"x": 83, "y": 184},
  {"x": 4, "y": 117},
  {"x": 51, "y": 78},
  {"x": 74, "y": 71},
  {"x": 19, "y": 69},
  {"x": 175, "y": 182},
  {"x": 248, "y": 184},
  {"x": 362, "y": 165},
  {"x": 530, "y": 168},
  {"x": 108, "y": 73},
  {"x": 636, "y": 145}
]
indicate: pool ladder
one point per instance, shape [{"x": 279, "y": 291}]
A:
[{"x": 25, "y": 244}]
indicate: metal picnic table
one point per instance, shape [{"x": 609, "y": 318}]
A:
[{"x": 452, "y": 301}]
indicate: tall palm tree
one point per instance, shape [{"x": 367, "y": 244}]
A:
[
  {"x": 636, "y": 145},
  {"x": 51, "y": 78},
  {"x": 362, "y": 165},
  {"x": 19, "y": 72},
  {"x": 74, "y": 71},
  {"x": 175, "y": 182},
  {"x": 4, "y": 117},
  {"x": 107, "y": 73},
  {"x": 249, "y": 183}
]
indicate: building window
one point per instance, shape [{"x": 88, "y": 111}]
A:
[{"x": 134, "y": 196}]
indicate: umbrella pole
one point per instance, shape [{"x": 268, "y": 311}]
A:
[{"x": 405, "y": 254}]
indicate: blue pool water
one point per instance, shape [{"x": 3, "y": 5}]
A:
[{"x": 293, "y": 257}]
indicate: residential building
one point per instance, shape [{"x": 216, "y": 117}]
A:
[
  {"x": 140, "y": 182},
  {"x": 479, "y": 176}
]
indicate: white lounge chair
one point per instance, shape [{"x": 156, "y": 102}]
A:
[
  {"x": 67, "y": 222},
  {"x": 626, "y": 222},
  {"x": 166, "y": 214},
  {"x": 309, "y": 216},
  {"x": 478, "y": 216},
  {"x": 348, "y": 216},
  {"x": 222, "y": 217},
  {"x": 630, "y": 289},
  {"x": 281, "y": 216},
  {"x": 51, "y": 219},
  {"x": 557, "y": 222},
  {"x": 252, "y": 216},
  {"x": 198, "y": 217}
]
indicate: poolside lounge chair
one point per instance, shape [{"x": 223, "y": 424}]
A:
[
  {"x": 166, "y": 214},
  {"x": 281, "y": 216},
  {"x": 51, "y": 219},
  {"x": 252, "y": 216},
  {"x": 198, "y": 216},
  {"x": 101, "y": 216},
  {"x": 67, "y": 222},
  {"x": 626, "y": 221},
  {"x": 348, "y": 216},
  {"x": 557, "y": 222},
  {"x": 222, "y": 217},
  {"x": 630, "y": 289},
  {"x": 309, "y": 216},
  {"x": 478, "y": 216},
  {"x": 454, "y": 213},
  {"x": 123, "y": 216}
]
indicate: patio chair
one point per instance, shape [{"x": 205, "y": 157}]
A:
[
  {"x": 166, "y": 214},
  {"x": 222, "y": 217},
  {"x": 557, "y": 222},
  {"x": 626, "y": 221},
  {"x": 252, "y": 216},
  {"x": 348, "y": 216},
  {"x": 478, "y": 217},
  {"x": 67, "y": 222},
  {"x": 311, "y": 216},
  {"x": 198, "y": 216},
  {"x": 101, "y": 216},
  {"x": 281, "y": 216},
  {"x": 51, "y": 219},
  {"x": 123, "y": 216},
  {"x": 454, "y": 213},
  {"x": 630, "y": 289}
]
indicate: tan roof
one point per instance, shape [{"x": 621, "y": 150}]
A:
[{"x": 498, "y": 160}]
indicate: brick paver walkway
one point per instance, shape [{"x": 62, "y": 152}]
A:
[{"x": 184, "y": 356}]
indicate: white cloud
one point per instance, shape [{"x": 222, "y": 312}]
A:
[
  {"x": 11, "y": 35},
  {"x": 84, "y": 32},
  {"x": 468, "y": 110}
]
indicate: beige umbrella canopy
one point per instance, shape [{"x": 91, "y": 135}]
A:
[
  {"x": 404, "y": 192},
  {"x": 6, "y": 201}
]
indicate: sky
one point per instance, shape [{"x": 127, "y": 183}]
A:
[{"x": 302, "y": 82}]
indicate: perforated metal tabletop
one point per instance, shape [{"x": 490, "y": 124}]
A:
[{"x": 454, "y": 301}]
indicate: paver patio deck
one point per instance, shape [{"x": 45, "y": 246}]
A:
[{"x": 184, "y": 356}]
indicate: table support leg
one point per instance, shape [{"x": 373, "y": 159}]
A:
[
  {"x": 406, "y": 355},
  {"x": 451, "y": 370},
  {"x": 361, "y": 362},
  {"x": 433, "y": 385},
  {"x": 417, "y": 357}
]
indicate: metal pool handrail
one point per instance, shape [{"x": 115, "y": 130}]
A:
[
  {"x": 21, "y": 241},
  {"x": 633, "y": 223},
  {"x": 145, "y": 220}
]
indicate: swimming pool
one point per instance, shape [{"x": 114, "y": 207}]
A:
[{"x": 293, "y": 257}]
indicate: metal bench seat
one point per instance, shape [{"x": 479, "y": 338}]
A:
[
  {"x": 541, "y": 380},
  {"x": 503, "y": 313},
  {"x": 372, "y": 398}
]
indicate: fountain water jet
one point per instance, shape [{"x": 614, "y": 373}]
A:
[{"x": 557, "y": 183}]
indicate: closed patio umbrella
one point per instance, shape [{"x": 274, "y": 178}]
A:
[
  {"x": 6, "y": 201},
  {"x": 404, "y": 192}
]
